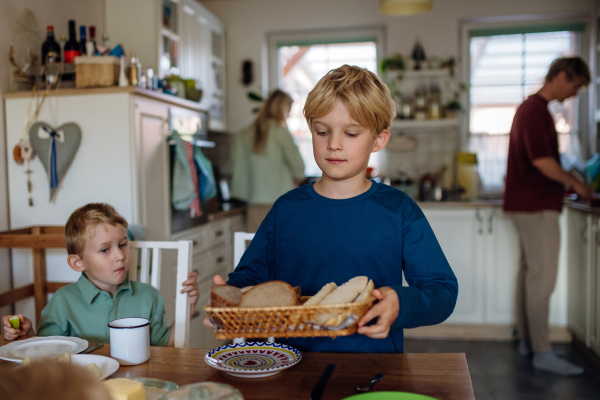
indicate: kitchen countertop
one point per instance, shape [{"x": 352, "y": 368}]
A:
[
  {"x": 460, "y": 204},
  {"x": 218, "y": 211},
  {"x": 577, "y": 205}
]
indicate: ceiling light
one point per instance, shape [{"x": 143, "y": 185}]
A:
[{"x": 404, "y": 7}]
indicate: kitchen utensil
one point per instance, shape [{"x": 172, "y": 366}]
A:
[
  {"x": 90, "y": 349},
  {"x": 389, "y": 396},
  {"x": 130, "y": 340},
  {"x": 253, "y": 359},
  {"x": 317, "y": 392},
  {"x": 365, "y": 389},
  {"x": 106, "y": 365},
  {"x": 49, "y": 346}
]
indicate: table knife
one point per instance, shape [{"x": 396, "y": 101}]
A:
[
  {"x": 317, "y": 392},
  {"x": 90, "y": 349}
]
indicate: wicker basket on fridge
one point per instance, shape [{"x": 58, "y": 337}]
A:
[
  {"x": 291, "y": 321},
  {"x": 96, "y": 71}
]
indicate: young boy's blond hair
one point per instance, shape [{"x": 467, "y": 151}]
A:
[
  {"x": 362, "y": 92},
  {"x": 84, "y": 219}
]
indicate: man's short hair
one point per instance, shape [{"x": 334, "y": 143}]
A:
[
  {"x": 362, "y": 92},
  {"x": 574, "y": 67},
  {"x": 78, "y": 229}
]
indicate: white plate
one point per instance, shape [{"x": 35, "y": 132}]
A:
[
  {"x": 106, "y": 365},
  {"x": 49, "y": 346},
  {"x": 253, "y": 359}
]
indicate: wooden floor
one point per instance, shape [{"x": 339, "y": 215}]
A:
[
  {"x": 558, "y": 334},
  {"x": 499, "y": 373}
]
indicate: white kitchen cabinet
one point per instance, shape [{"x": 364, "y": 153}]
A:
[
  {"x": 502, "y": 266},
  {"x": 594, "y": 289},
  {"x": 460, "y": 233},
  {"x": 482, "y": 247},
  {"x": 191, "y": 40},
  {"x": 578, "y": 245}
]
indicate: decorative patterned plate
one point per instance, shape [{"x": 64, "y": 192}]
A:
[
  {"x": 48, "y": 346},
  {"x": 253, "y": 359}
]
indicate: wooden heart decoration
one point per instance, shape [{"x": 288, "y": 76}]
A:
[{"x": 56, "y": 149}]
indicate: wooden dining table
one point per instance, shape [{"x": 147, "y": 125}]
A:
[{"x": 443, "y": 376}]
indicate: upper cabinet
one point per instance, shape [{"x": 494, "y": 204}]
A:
[{"x": 178, "y": 34}]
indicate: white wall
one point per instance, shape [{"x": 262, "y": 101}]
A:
[
  {"x": 48, "y": 12},
  {"x": 247, "y": 22}
]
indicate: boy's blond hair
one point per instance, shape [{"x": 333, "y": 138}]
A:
[
  {"x": 80, "y": 223},
  {"x": 363, "y": 93}
]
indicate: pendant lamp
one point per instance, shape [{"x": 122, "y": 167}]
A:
[{"x": 404, "y": 7}]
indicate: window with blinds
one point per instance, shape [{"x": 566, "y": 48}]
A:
[{"x": 507, "y": 65}]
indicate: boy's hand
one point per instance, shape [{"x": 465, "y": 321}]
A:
[
  {"x": 11, "y": 333},
  {"x": 386, "y": 312},
  {"x": 190, "y": 286},
  {"x": 219, "y": 282}
]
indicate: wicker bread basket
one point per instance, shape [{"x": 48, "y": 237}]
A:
[
  {"x": 291, "y": 321},
  {"x": 96, "y": 71}
]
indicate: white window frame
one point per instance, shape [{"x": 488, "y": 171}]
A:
[
  {"x": 271, "y": 79},
  {"x": 466, "y": 25}
]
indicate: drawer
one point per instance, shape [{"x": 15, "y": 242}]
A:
[
  {"x": 218, "y": 232},
  {"x": 202, "y": 263}
]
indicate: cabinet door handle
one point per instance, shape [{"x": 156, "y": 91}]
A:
[
  {"x": 196, "y": 314},
  {"x": 479, "y": 219},
  {"x": 584, "y": 228},
  {"x": 219, "y": 233},
  {"x": 220, "y": 259},
  {"x": 194, "y": 243}
]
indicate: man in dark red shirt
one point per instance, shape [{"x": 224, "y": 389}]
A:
[{"x": 535, "y": 185}]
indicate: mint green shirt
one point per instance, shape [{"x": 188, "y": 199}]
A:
[
  {"x": 262, "y": 178},
  {"x": 82, "y": 310}
]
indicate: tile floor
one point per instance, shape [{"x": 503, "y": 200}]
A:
[{"x": 498, "y": 373}]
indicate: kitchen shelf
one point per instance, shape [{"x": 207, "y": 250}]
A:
[
  {"x": 425, "y": 124},
  {"x": 418, "y": 74}
]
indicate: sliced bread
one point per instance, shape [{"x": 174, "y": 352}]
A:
[
  {"x": 246, "y": 288},
  {"x": 270, "y": 294},
  {"x": 321, "y": 294},
  {"x": 347, "y": 292},
  {"x": 366, "y": 293},
  {"x": 225, "y": 296}
]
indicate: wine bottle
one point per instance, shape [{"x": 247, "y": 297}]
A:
[
  {"x": 71, "y": 47},
  {"x": 50, "y": 48},
  {"x": 93, "y": 39},
  {"x": 82, "y": 40}
]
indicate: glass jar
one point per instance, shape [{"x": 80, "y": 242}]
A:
[{"x": 467, "y": 175}]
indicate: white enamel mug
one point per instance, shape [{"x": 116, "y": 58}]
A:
[{"x": 130, "y": 340}]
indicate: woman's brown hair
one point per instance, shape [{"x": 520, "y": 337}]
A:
[{"x": 273, "y": 109}]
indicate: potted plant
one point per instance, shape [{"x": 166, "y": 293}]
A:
[{"x": 453, "y": 107}]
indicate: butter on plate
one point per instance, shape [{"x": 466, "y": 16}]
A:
[{"x": 125, "y": 389}]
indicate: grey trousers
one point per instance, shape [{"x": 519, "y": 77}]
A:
[{"x": 539, "y": 237}]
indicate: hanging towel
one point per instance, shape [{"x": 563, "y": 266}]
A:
[
  {"x": 195, "y": 206},
  {"x": 183, "y": 190},
  {"x": 208, "y": 184}
]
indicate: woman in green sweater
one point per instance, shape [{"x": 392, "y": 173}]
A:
[{"x": 266, "y": 161}]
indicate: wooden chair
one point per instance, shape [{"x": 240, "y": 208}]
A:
[
  {"x": 150, "y": 272},
  {"x": 37, "y": 238},
  {"x": 240, "y": 243}
]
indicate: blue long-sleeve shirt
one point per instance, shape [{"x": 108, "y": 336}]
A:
[{"x": 309, "y": 240}]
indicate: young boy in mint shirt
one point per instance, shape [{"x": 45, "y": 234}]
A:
[
  {"x": 345, "y": 225},
  {"x": 96, "y": 238}
]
